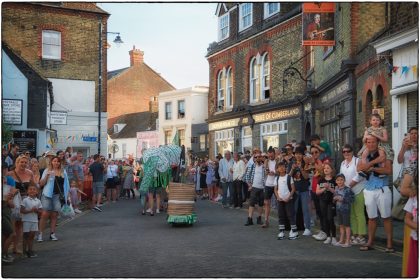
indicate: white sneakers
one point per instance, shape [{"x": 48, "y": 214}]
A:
[
  {"x": 293, "y": 234},
  {"x": 77, "y": 211},
  {"x": 328, "y": 240},
  {"x": 307, "y": 232},
  {"x": 39, "y": 238},
  {"x": 157, "y": 211},
  {"x": 332, "y": 240},
  {"x": 321, "y": 236},
  {"x": 53, "y": 237},
  {"x": 280, "y": 236}
]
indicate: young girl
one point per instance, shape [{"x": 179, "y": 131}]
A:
[
  {"x": 343, "y": 198},
  {"x": 325, "y": 192},
  {"x": 74, "y": 196},
  {"x": 411, "y": 220},
  {"x": 380, "y": 132},
  {"x": 203, "y": 175}
]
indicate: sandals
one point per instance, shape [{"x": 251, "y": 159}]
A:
[
  {"x": 389, "y": 250},
  {"x": 366, "y": 248}
]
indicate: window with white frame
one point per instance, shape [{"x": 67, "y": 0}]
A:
[
  {"x": 273, "y": 134},
  {"x": 265, "y": 76},
  {"x": 51, "y": 44},
  {"x": 224, "y": 140},
  {"x": 168, "y": 135},
  {"x": 168, "y": 110},
  {"x": 181, "y": 109},
  {"x": 259, "y": 78},
  {"x": 253, "y": 78},
  {"x": 271, "y": 9},
  {"x": 223, "y": 27},
  {"x": 246, "y": 138},
  {"x": 245, "y": 16},
  {"x": 124, "y": 150},
  {"x": 203, "y": 142},
  {"x": 181, "y": 133},
  {"x": 220, "y": 91},
  {"x": 229, "y": 88}
]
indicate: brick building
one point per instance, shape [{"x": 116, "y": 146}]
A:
[
  {"x": 130, "y": 89},
  {"x": 249, "y": 104},
  {"x": 61, "y": 41}
]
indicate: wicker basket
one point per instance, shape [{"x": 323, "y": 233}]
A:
[{"x": 177, "y": 194}]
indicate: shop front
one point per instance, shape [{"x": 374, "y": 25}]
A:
[
  {"x": 335, "y": 117},
  {"x": 224, "y": 135}
]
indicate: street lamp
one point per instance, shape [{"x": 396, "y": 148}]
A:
[{"x": 117, "y": 41}]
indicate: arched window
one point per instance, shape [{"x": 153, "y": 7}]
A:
[
  {"x": 265, "y": 76},
  {"x": 229, "y": 88},
  {"x": 253, "y": 77},
  {"x": 220, "y": 92},
  {"x": 368, "y": 112}
]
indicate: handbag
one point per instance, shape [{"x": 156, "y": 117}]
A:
[
  {"x": 17, "y": 201},
  {"x": 398, "y": 212},
  {"x": 61, "y": 195},
  {"x": 398, "y": 180}
]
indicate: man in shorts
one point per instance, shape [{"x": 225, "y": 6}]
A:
[
  {"x": 256, "y": 185},
  {"x": 377, "y": 194},
  {"x": 97, "y": 170}
]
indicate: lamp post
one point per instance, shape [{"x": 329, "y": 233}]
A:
[{"x": 117, "y": 41}]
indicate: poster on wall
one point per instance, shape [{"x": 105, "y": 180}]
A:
[
  {"x": 26, "y": 140},
  {"x": 318, "y": 24},
  {"x": 12, "y": 111}
]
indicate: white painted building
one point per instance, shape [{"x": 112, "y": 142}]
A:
[
  {"x": 181, "y": 110},
  {"x": 76, "y": 99}
]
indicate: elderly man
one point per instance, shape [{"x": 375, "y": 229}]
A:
[
  {"x": 226, "y": 178},
  {"x": 377, "y": 194},
  {"x": 238, "y": 173}
]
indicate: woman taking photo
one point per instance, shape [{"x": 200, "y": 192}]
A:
[
  {"x": 22, "y": 177},
  {"x": 55, "y": 184}
]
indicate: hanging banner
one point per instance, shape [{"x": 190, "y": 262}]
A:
[{"x": 318, "y": 24}]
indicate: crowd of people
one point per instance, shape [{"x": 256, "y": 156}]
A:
[
  {"x": 36, "y": 188},
  {"x": 296, "y": 178},
  {"x": 303, "y": 177}
]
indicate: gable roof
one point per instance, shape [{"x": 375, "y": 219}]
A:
[
  {"x": 78, "y": 6},
  {"x": 136, "y": 122},
  {"x": 113, "y": 73}
]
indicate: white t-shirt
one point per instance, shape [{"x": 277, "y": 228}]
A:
[
  {"x": 283, "y": 188},
  {"x": 258, "y": 177},
  {"x": 411, "y": 207},
  {"x": 409, "y": 156},
  {"x": 28, "y": 203},
  {"x": 270, "y": 178},
  {"x": 350, "y": 172},
  {"x": 112, "y": 171}
]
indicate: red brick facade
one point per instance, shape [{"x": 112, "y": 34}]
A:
[{"x": 131, "y": 90}]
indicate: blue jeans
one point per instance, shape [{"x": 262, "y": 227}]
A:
[
  {"x": 304, "y": 198},
  {"x": 225, "y": 187}
]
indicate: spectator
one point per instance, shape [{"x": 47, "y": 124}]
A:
[
  {"x": 225, "y": 168},
  {"x": 270, "y": 170},
  {"x": 12, "y": 156},
  {"x": 56, "y": 187},
  {"x": 210, "y": 180},
  {"x": 112, "y": 177},
  {"x": 31, "y": 206},
  {"x": 256, "y": 184},
  {"x": 409, "y": 149},
  {"x": 377, "y": 195},
  {"x": 343, "y": 197},
  {"x": 78, "y": 174},
  {"x": 23, "y": 177},
  {"x": 324, "y": 147},
  {"x": 238, "y": 173},
  {"x": 6, "y": 215},
  {"x": 97, "y": 170},
  {"x": 203, "y": 178},
  {"x": 357, "y": 214}
]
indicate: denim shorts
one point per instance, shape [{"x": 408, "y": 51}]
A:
[
  {"x": 51, "y": 204},
  {"x": 98, "y": 187}
]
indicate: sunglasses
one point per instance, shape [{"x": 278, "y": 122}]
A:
[
  {"x": 346, "y": 151},
  {"x": 313, "y": 153}
]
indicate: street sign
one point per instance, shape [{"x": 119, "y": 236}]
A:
[
  {"x": 90, "y": 138},
  {"x": 58, "y": 117}
]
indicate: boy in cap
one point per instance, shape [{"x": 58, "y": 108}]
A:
[{"x": 343, "y": 197}]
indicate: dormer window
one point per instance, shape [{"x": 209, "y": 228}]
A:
[
  {"x": 223, "y": 27},
  {"x": 271, "y": 9},
  {"x": 116, "y": 128},
  {"x": 245, "y": 16}
]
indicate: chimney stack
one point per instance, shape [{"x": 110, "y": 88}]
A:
[{"x": 136, "y": 56}]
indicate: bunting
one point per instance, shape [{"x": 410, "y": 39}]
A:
[
  {"x": 405, "y": 69},
  {"x": 395, "y": 69}
]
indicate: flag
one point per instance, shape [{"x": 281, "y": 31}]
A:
[
  {"x": 414, "y": 67},
  {"x": 175, "y": 141},
  {"x": 404, "y": 70},
  {"x": 394, "y": 69}
]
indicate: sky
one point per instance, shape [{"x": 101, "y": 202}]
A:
[{"x": 173, "y": 36}]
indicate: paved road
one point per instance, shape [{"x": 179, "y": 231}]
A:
[{"x": 121, "y": 243}]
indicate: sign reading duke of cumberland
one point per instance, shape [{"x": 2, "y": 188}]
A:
[{"x": 277, "y": 115}]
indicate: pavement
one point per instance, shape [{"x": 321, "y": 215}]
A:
[{"x": 120, "y": 242}]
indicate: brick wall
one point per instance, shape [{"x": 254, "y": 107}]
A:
[
  {"x": 403, "y": 15},
  {"x": 283, "y": 45},
  {"x": 131, "y": 90},
  {"x": 22, "y": 25}
]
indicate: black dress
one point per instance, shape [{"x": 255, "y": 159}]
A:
[{"x": 203, "y": 183}]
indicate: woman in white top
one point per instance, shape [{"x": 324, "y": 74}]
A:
[
  {"x": 111, "y": 181},
  {"x": 356, "y": 183}
]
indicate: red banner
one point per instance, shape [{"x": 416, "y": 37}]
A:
[{"x": 318, "y": 24}]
